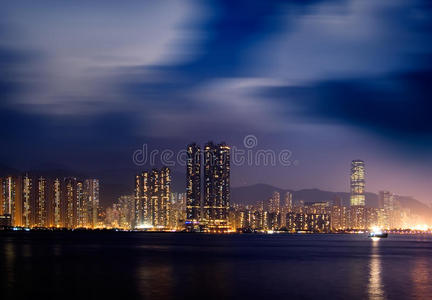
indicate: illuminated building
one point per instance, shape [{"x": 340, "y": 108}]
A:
[
  {"x": 57, "y": 195},
  {"x": 27, "y": 196},
  {"x": 357, "y": 183},
  {"x": 273, "y": 220},
  {"x": 8, "y": 196},
  {"x": 80, "y": 205},
  {"x": 274, "y": 203},
  {"x": 11, "y": 199},
  {"x": 152, "y": 199},
  {"x": 41, "y": 213},
  {"x": 70, "y": 202},
  {"x": 288, "y": 204},
  {"x": 337, "y": 214},
  {"x": 386, "y": 202},
  {"x": 336, "y": 217},
  {"x": 143, "y": 207},
  {"x": 357, "y": 217},
  {"x": 160, "y": 186},
  {"x": 372, "y": 217},
  {"x": 126, "y": 211},
  {"x": 308, "y": 222},
  {"x": 216, "y": 186},
  {"x": 5, "y": 220},
  {"x": 177, "y": 211},
  {"x": 345, "y": 217},
  {"x": 91, "y": 191},
  {"x": 156, "y": 199},
  {"x": 193, "y": 186},
  {"x": 322, "y": 207}
]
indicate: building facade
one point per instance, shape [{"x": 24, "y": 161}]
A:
[
  {"x": 357, "y": 183},
  {"x": 216, "y": 186}
]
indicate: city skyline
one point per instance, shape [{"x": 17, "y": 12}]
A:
[{"x": 203, "y": 205}]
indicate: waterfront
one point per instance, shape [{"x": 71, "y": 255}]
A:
[{"x": 131, "y": 265}]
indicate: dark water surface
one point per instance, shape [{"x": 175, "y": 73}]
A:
[{"x": 123, "y": 265}]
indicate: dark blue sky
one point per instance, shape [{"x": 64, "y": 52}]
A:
[{"x": 85, "y": 83}]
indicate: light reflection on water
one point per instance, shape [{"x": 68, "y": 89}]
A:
[
  {"x": 421, "y": 278},
  {"x": 163, "y": 266},
  {"x": 375, "y": 287}
]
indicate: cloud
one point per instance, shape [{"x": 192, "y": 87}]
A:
[{"x": 395, "y": 105}]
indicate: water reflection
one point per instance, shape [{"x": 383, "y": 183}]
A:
[
  {"x": 421, "y": 278},
  {"x": 155, "y": 280},
  {"x": 375, "y": 287},
  {"x": 9, "y": 266}
]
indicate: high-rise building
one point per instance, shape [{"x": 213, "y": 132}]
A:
[
  {"x": 288, "y": 204},
  {"x": 160, "y": 182},
  {"x": 27, "y": 199},
  {"x": 357, "y": 183},
  {"x": 165, "y": 175},
  {"x": 80, "y": 205},
  {"x": 274, "y": 203},
  {"x": 57, "y": 200},
  {"x": 308, "y": 222},
  {"x": 91, "y": 192},
  {"x": 177, "y": 211},
  {"x": 70, "y": 202},
  {"x": 126, "y": 211},
  {"x": 193, "y": 186},
  {"x": 152, "y": 199},
  {"x": 143, "y": 208},
  {"x": 156, "y": 201},
  {"x": 11, "y": 199},
  {"x": 386, "y": 203},
  {"x": 138, "y": 191},
  {"x": 357, "y": 218},
  {"x": 8, "y": 196},
  {"x": 216, "y": 186},
  {"x": 41, "y": 213}
]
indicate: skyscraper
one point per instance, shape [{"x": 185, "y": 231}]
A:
[
  {"x": 57, "y": 196},
  {"x": 274, "y": 203},
  {"x": 70, "y": 202},
  {"x": 91, "y": 192},
  {"x": 386, "y": 203},
  {"x": 216, "y": 185},
  {"x": 81, "y": 203},
  {"x": 11, "y": 199},
  {"x": 41, "y": 215},
  {"x": 193, "y": 185},
  {"x": 152, "y": 194},
  {"x": 8, "y": 196},
  {"x": 156, "y": 202},
  {"x": 357, "y": 183},
  {"x": 143, "y": 213},
  {"x": 27, "y": 197},
  {"x": 288, "y": 202}
]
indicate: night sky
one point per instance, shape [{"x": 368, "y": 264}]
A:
[{"x": 85, "y": 83}]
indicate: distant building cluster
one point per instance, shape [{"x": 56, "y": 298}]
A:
[
  {"x": 37, "y": 201},
  {"x": 327, "y": 216}
]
